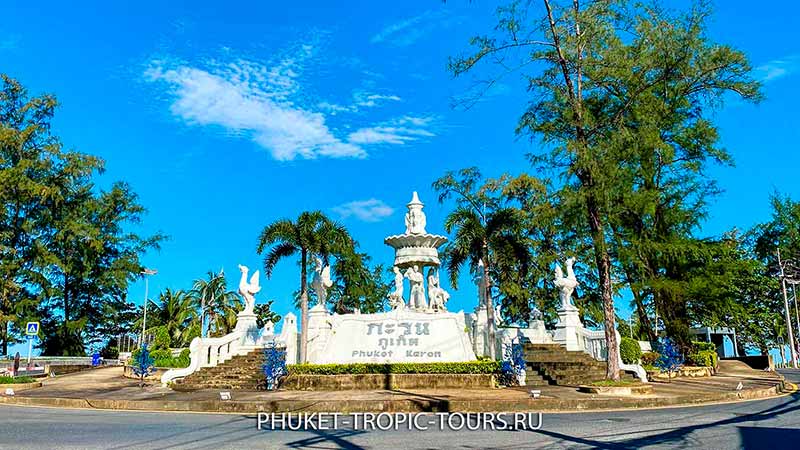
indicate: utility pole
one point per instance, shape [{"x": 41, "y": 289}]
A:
[
  {"x": 146, "y": 272},
  {"x": 789, "y": 331}
]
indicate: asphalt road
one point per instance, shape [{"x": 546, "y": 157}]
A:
[{"x": 770, "y": 424}]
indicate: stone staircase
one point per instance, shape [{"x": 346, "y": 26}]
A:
[
  {"x": 243, "y": 372},
  {"x": 553, "y": 364}
]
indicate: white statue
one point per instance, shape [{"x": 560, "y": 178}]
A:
[
  {"x": 322, "y": 281},
  {"x": 248, "y": 290},
  {"x": 417, "y": 296},
  {"x": 566, "y": 285},
  {"x": 438, "y": 296},
  {"x": 415, "y": 218},
  {"x": 396, "y": 297}
]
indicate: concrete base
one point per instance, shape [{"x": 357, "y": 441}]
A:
[
  {"x": 566, "y": 332},
  {"x": 248, "y": 325},
  {"x": 365, "y": 382}
]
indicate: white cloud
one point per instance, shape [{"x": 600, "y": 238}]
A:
[
  {"x": 372, "y": 210},
  {"x": 777, "y": 68},
  {"x": 399, "y": 131},
  {"x": 408, "y": 31},
  {"x": 360, "y": 100},
  {"x": 266, "y": 103}
]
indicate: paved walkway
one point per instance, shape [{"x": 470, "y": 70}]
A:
[{"x": 107, "y": 389}]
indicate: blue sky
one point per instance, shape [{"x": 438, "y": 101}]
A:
[{"x": 225, "y": 117}]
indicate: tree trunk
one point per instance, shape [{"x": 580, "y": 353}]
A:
[
  {"x": 644, "y": 321},
  {"x": 303, "y": 307},
  {"x": 65, "y": 331},
  {"x": 4, "y": 337},
  {"x": 603, "y": 261},
  {"x": 4, "y": 323},
  {"x": 490, "y": 326}
]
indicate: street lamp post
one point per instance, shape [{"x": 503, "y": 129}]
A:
[
  {"x": 146, "y": 272},
  {"x": 789, "y": 331}
]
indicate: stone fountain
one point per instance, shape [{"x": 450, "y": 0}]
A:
[
  {"x": 416, "y": 329},
  {"x": 414, "y": 251}
]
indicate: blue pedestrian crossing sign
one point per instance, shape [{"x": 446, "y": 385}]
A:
[{"x": 32, "y": 328}]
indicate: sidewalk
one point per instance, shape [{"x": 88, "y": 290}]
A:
[{"x": 107, "y": 389}]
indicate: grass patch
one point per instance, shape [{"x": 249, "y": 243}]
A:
[
  {"x": 17, "y": 380},
  {"x": 612, "y": 383}
]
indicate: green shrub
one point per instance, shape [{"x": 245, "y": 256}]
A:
[
  {"x": 15, "y": 380},
  {"x": 704, "y": 358},
  {"x": 161, "y": 354},
  {"x": 650, "y": 358},
  {"x": 630, "y": 351},
  {"x": 161, "y": 340},
  {"x": 474, "y": 367},
  {"x": 699, "y": 346},
  {"x": 164, "y": 358}
]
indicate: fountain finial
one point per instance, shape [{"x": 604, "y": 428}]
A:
[{"x": 415, "y": 218}]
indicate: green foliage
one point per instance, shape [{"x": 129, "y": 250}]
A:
[
  {"x": 175, "y": 313},
  {"x": 625, "y": 110},
  {"x": 161, "y": 354},
  {"x": 211, "y": 294},
  {"x": 16, "y": 380},
  {"x": 703, "y": 358},
  {"x": 314, "y": 234},
  {"x": 264, "y": 314},
  {"x": 704, "y": 346},
  {"x": 630, "y": 351},
  {"x": 476, "y": 367},
  {"x": 650, "y": 358},
  {"x": 161, "y": 340},
  {"x": 164, "y": 359},
  {"x": 68, "y": 252}
]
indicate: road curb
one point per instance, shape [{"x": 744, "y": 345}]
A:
[{"x": 595, "y": 403}]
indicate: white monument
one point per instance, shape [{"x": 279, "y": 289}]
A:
[
  {"x": 569, "y": 321},
  {"x": 322, "y": 281},
  {"x": 246, "y": 320},
  {"x": 417, "y": 329}
]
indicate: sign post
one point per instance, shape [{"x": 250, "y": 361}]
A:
[{"x": 31, "y": 331}]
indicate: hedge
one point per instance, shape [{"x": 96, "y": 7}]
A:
[
  {"x": 650, "y": 358},
  {"x": 164, "y": 358},
  {"x": 630, "y": 351},
  {"x": 700, "y": 346},
  {"x": 13, "y": 380},
  {"x": 704, "y": 358},
  {"x": 472, "y": 367}
]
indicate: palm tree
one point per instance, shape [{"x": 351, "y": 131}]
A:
[
  {"x": 312, "y": 233},
  {"x": 217, "y": 305},
  {"x": 489, "y": 243},
  {"x": 174, "y": 312}
]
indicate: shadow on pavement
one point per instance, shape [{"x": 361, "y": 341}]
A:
[
  {"x": 680, "y": 435},
  {"x": 757, "y": 438}
]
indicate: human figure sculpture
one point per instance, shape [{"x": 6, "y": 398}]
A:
[
  {"x": 322, "y": 281},
  {"x": 248, "y": 290},
  {"x": 417, "y": 296},
  {"x": 566, "y": 285},
  {"x": 415, "y": 218},
  {"x": 396, "y": 297},
  {"x": 438, "y": 297}
]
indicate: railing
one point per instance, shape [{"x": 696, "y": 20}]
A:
[
  {"x": 207, "y": 352},
  {"x": 593, "y": 343}
]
